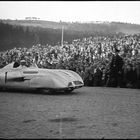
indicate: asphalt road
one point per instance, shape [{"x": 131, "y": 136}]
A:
[{"x": 88, "y": 112}]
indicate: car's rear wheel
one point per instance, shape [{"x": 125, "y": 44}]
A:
[{"x": 2, "y": 88}]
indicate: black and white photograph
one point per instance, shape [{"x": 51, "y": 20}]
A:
[{"x": 70, "y": 69}]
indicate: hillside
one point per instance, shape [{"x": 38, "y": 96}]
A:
[
  {"x": 25, "y": 33},
  {"x": 111, "y": 27}
]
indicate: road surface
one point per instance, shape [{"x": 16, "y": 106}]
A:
[{"x": 88, "y": 112}]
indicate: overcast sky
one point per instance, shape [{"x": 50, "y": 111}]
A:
[{"x": 83, "y": 11}]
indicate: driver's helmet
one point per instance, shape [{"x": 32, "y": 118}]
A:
[{"x": 23, "y": 63}]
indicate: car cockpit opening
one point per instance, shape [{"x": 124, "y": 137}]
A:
[{"x": 16, "y": 64}]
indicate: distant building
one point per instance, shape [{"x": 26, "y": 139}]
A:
[{"x": 32, "y": 18}]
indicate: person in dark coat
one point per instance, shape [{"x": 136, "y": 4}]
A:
[
  {"x": 97, "y": 77},
  {"x": 138, "y": 76},
  {"x": 116, "y": 71},
  {"x": 86, "y": 77},
  {"x": 130, "y": 76}
]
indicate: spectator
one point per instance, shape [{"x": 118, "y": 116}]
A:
[
  {"x": 115, "y": 70},
  {"x": 129, "y": 76},
  {"x": 97, "y": 76}
]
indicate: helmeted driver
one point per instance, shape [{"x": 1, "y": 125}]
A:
[{"x": 23, "y": 63}]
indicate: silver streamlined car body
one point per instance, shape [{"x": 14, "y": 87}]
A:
[{"x": 38, "y": 78}]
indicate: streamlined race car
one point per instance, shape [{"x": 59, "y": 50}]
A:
[{"x": 32, "y": 77}]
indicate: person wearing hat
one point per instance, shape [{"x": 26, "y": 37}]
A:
[{"x": 116, "y": 70}]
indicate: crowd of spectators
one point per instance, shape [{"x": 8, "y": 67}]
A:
[{"x": 89, "y": 57}]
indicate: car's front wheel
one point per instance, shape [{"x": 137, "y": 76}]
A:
[{"x": 68, "y": 90}]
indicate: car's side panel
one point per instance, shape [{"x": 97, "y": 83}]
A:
[
  {"x": 47, "y": 82},
  {"x": 31, "y": 74},
  {"x": 16, "y": 79}
]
